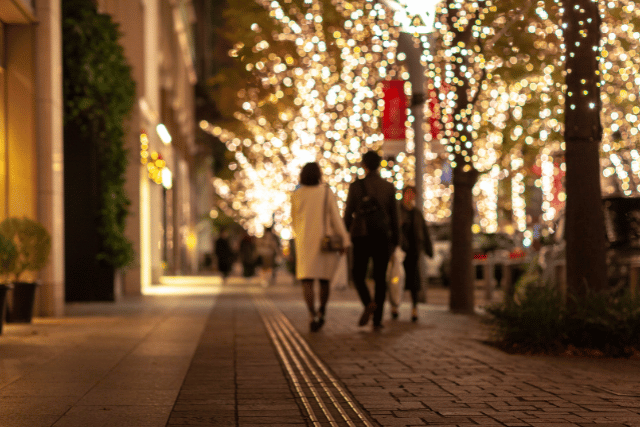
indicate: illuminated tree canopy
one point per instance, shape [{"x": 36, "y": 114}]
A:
[
  {"x": 317, "y": 99},
  {"x": 300, "y": 80}
]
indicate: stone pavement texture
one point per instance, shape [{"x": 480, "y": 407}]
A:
[{"x": 242, "y": 355}]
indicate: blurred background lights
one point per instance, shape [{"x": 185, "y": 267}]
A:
[
  {"x": 167, "y": 178},
  {"x": 415, "y": 16},
  {"x": 163, "y": 133},
  {"x": 333, "y": 77}
]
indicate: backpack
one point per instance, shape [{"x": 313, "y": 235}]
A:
[{"x": 374, "y": 217}]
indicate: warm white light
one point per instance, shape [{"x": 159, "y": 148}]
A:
[
  {"x": 167, "y": 178},
  {"x": 406, "y": 10},
  {"x": 164, "y": 134}
]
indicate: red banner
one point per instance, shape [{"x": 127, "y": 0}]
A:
[
  {"x": 394, "y": 117},
  {"x": 436, "y": 121}
]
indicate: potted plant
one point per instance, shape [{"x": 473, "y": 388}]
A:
[
  {"x": 33, "y": 245},
  {"x": 8, "y": 255}
]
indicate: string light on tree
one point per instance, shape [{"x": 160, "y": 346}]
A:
[{"x": 321, "y": 101}]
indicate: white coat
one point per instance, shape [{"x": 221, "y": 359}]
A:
[{"x": 307, "y": 215}]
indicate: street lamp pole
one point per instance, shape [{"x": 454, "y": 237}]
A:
[
  {"x": 412, "y": 48},
  {"x": 416, "y": 18}
]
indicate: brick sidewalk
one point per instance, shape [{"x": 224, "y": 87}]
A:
[
  {"x": 235, "y": 378},
  {"x": 243, "y": 356},
  {"x": 437, "y": 372}
]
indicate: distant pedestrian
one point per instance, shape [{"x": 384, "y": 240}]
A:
[
  {"x": 371, "y": 216},
  {"x": 268, "y": 248},
  {"x": 415, "y": 241},
  {"x": 248, "y": 256},
  {"x": 314, "y": 209},
  {"x": 224, "y": 254},
  {"x": 290, "y": 259}
]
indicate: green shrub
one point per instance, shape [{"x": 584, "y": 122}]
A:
[
  {"x": 608, "y": 321},
  {"x": 99, "y": 96},
  {"x": 32, "y": 244},
  {"x": 532, "y": 323},
  {"x": 8, "y": 255},
  {"x": 605, "y": 323}
]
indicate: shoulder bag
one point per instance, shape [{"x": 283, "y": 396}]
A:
[{"x": 330, "y": 242}]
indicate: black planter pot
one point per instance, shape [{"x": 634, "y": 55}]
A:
[
  {"x": 3, "y": 304},
  {"x": 20, "y": 307}
]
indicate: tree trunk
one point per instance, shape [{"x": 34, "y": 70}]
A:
[
  {"x": 464, "y": 174},
  {"x": 462, "y": 273},
  {"x": 585, "y": 230}
]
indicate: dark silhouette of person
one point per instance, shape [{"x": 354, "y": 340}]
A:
[
  {"x": 415, "y": 239},
  {"x": 374, "y": 242},
  {"x": 224, "y": 254},
  {"x": 268, "y": 248},
  {"x": 248, "y": 256}
]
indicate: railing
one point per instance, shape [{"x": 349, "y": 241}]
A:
[
  {"x": 506, "y": 262},
  {"x": 555, "y": 272}
]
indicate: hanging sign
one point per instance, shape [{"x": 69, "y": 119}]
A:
[
  {"x": 394, "y": 118},
  {"x": 437, "y": 119},
  {"x": 435, "y": 127},
  {"x": 437, "y": 116}
]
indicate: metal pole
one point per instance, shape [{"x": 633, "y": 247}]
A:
[
  {"x": 417, "y": 109},
  {"x": 412, "y": 48}
]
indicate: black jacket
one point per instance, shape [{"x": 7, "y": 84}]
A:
[
  {"x": 415, "y": 233},
  {"x": 224, "y": 254},
  {"x": 385, "y": 193}
]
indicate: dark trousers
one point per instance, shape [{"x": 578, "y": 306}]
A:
[
  {"x": 376, "y": 249},
  {"x": 412, "y": 276}
]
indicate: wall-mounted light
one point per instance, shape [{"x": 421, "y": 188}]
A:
[
  {"x": 191, "y": 240},
  {"x": 167, "y": 178},
  {"x": 164, "y": 134}
]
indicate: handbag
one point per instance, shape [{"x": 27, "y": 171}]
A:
[
  {"x": 329, "y": 242},
  {"x": 396, "y": 277},
  {"x": 340, "y": 279}
]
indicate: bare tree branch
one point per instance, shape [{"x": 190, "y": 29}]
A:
[{"x": 525, "y": 8}]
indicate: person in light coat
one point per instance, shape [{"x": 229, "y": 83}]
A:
[{"x": 312, "y": 205}]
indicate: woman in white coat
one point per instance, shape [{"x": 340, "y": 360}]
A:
[{"x": 312, "y": 205}]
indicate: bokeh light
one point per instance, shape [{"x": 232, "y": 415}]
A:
[{"x": 344, "y": 50}]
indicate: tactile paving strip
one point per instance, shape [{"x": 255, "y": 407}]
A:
[{"x": 325, "y": 400}]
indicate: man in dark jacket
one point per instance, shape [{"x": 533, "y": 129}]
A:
[{"x": 372, "y": 241}]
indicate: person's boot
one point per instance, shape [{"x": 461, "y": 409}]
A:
[
  {"x": 321, "y": 317},
  {"x": 366, "y": 315},
  {"x": 313, "y": 323}
]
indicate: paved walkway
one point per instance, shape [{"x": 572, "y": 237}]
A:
[{"x": 241, "y": 355}]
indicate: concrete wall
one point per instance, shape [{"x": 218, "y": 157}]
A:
[{"x": 49, "y": 134}]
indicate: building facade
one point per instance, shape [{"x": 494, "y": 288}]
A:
[
  {"x": 31, "y": 164},
  {"x": 158, "y": 44}
]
